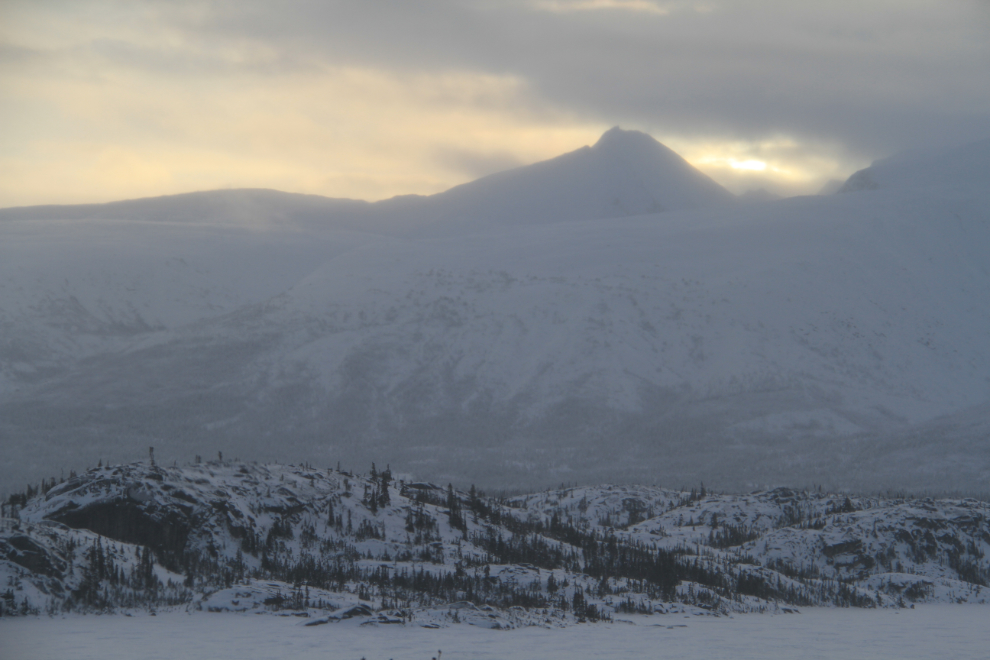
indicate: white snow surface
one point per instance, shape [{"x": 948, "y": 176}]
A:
[
  {"x": 928, "y": 631},
  {"x": 522, "y": 329}
]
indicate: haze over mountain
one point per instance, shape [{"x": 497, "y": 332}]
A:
[
  {"x": 625, "y": 173},
  {"x": 608, "y": 314}
]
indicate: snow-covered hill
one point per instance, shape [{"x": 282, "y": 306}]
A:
[
  {"x": 625, "y": 173},
  {"x": 232, "y": 536},
  {"x": 520, "y": 334},
  {"x": 959, "y": 168}
]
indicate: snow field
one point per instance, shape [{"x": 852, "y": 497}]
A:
[{"x": 928, "y": 631}]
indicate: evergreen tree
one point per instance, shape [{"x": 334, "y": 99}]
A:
[
  {"x": 454, "y": 515},
  {"x": 385, "y": 478}
]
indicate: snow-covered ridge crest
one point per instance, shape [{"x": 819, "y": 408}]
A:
[
  {"x": 837, "y": 340},
  {"x": 963, "y": 167},
  {"x": 625, "y": 173},
  {"x": 237, "y": 536}
]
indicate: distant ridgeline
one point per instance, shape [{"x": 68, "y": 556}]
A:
[
  {"x": 609, "y": 315},
  {"x": 233, "y": 536}
]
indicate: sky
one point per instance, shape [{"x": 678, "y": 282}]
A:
[{"x": 104, "y": 99}]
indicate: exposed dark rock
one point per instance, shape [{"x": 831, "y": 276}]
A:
[
  {"x": 165, "y": 531},
  {"x": 357, "y": 610},
  {"x": 853, "y": 546},
  {"x": 25, "y": 552}
]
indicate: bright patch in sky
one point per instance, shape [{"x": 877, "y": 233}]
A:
[
  {"x": 564, "y": 6},
  {"x": 755, "y": 165},
  {"x": 106, "y": 100},
  {"x": 352, "y": 132},
  {"x": 781, "y": 164}
]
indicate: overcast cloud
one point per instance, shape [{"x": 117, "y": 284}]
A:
[{"x": 370, "y": 99}]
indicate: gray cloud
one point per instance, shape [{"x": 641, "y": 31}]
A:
[
  {"x": 840, "y": 81},
  {"x": 875, "y": 77}
]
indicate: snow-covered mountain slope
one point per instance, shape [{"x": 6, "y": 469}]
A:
[
  {"x": 951, "y": 168},
  {"x": 235, "y": 536},
  {"x": 246, "y": 209},
  {"x": 116, "y": 278},
  {"x": 625, "y": 173},
  {"x": 159, "y": 263},
  {"x": 837, "y": 340}
]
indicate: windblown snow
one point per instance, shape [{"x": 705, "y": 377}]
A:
[{"x": 611, "y": 314}]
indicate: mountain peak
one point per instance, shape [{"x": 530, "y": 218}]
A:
[
  {"x": 618, "y": 134},
  {"x": 616, "y": 139},
  {"x": 625, "y": 173},
  {"x": 641, "y": 152}
]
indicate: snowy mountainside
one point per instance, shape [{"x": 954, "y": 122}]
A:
[
  {"x": 74, "y": 276},
  {"x": 625, "y": 173},
  {"x": 237, "y": 536},
  {"x": 247, "y": 208},
  {"x": 85, "y": 281},
  {"x": 963, "y": 167},
  {"x": 832, "y": 340}
]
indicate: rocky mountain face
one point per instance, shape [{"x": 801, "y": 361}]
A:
[
  {"x": 609, "y": 315},
  {"x": 227, "y": 535}
]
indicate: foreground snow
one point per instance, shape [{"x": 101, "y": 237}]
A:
[{"x": 928, "y": 631}]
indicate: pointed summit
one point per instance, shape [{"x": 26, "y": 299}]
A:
[
  {"x": 660, "y": 169},
  {"x": 625, "y": 173},
  {"x": 617, "y": 138},
  {"x": 633, "y": 144},
  {"x": 636, "y": 148}
]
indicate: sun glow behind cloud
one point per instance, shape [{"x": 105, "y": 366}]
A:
[
  {"x": 343, "y": 132},
  {"x": 781, "y": 165},
  {"x": 89, "y": 124},
  {"x": 754, "y": 165},
  {"x": 567, "y": 6},
  {"x": 336, "y": 131},
  {"x": 86, "y": 127},
  {"x": 105, "y": 99}
]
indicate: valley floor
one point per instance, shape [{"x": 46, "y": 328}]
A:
[{"x": 927, "y": 631}]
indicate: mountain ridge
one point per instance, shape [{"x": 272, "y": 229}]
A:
[
  {"x": 836, "y": 340},
  {"x": 948, "y": 167},
  {"x": 568, "y": 187}
]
